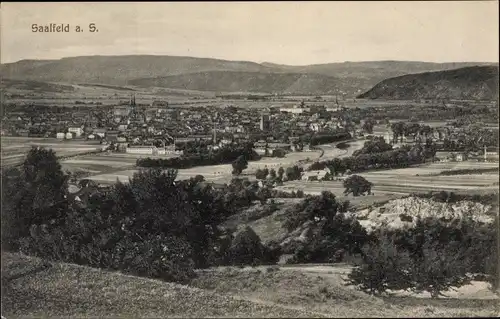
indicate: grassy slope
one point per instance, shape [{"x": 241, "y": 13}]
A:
[
  {"x": 75, "y": 291},
  {"x": 325, "y": 292}
]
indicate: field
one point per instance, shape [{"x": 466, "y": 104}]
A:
[
  {"x": 34, "y": 288},
  {"x": 14, "y": 149},
  {"x": 214, "y": 173},
  {"x": 390, "y": 183}
]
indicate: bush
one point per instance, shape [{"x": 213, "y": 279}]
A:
[{"x": 247, "y": 249}]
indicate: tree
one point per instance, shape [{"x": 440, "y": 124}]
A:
[
  {"x": 272, "y": 174},
  {"x": 368, "y": 125},
  {"x": 398, "y": 130},
  {"x": 246, "y": 248},
  {"x": 357, "y": 185},
  {"x": 279, "y": 152},
  {"x": 260, "y": 174},
  {"x": 281, "y": 172},
  {"x": 35, "y": 193},
  {"x": 384, "y": 266},
  {"x": 239, "y": 165}
]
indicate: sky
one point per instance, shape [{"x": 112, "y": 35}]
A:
[{"x": 295, "y": 33}]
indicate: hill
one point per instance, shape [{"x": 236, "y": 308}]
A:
[
  {"x": 118, "y": 70},
  {"x": 349, "y": 77},
  {"x": 32, "y": 287},
  {"x": 470, "y": 83}
]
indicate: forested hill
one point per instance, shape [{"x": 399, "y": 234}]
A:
[
  {"x": 207, "y": 74},
  {"x": 469, "y": 83}
]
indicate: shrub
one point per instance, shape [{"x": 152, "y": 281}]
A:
[{"x": 246, "y": 248}]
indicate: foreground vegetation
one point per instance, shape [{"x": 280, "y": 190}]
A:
[{"x": 157, "y": 227}]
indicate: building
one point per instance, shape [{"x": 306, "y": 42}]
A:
[
  {"x": 315, "y": 127},
  {"x": 313, "y": 175},
  {"x": 490, "y": 154},
  {"x": 265, "y": 122},
  {"x": 142, "y": 149},
  {"x": 101, "y": 132},
  {"x": 159, "y": 104},
  {"x": 294, "y": 110},
  {"x": 121, "y": 110},
  {"x": 60, "y": 136},
  {"x": 78, "y": 131},
  {"x": 69, "y": 136}
]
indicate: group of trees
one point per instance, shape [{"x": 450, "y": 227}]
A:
[
  {"x": 400, "y": 129},
  {"x": 433, "y": 256},
  {"x": 368, "y": 125},
  {"x": 290, "y": 174},
  {"x": 152, "y": 226},
  {"x": 333, "y": 233},
  {"x": 224, "y": 155},
  {"x": 331, "y": 138},
  {"x": 377, "y": 154}
]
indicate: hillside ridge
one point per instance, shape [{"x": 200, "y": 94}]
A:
[{"x": 468, "y": 83}]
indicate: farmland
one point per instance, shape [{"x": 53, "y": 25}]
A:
[
  {"x": 15, "y": 148},
  {"x": 390, "y": 183},
  {"x": 122, "y": 166}
]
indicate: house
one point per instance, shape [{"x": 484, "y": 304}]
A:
[
  {"x": 458, "y": 157},
  {"x": 69, "y": 136},
  {"x": 101, "y": 132},
  {"x": 60, "y": 136},
  {"x": 78, "y": 131},
  {"x": 490, "y": 154},
  {"x": 313, "y": 175},
  {"x": 315, "y": 127},
  {"x": 23, "y": 132}
]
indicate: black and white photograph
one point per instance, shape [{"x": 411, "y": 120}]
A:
[{"x": 334, "y": 159}]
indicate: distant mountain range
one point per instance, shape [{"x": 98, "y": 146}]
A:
[
  {"x": 469, "y": 83},
  {"x": 205, "y": 74}
]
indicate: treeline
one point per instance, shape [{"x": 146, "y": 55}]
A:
[
  {"x": 281, "y": 175},
  {"x": 382, "y": 156},
  {"x": 224, "y": 155},
  {"x": 468, "y": 171},
  {"x": 452, "y": 197},
  {"x": 331, "y": 138}
]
